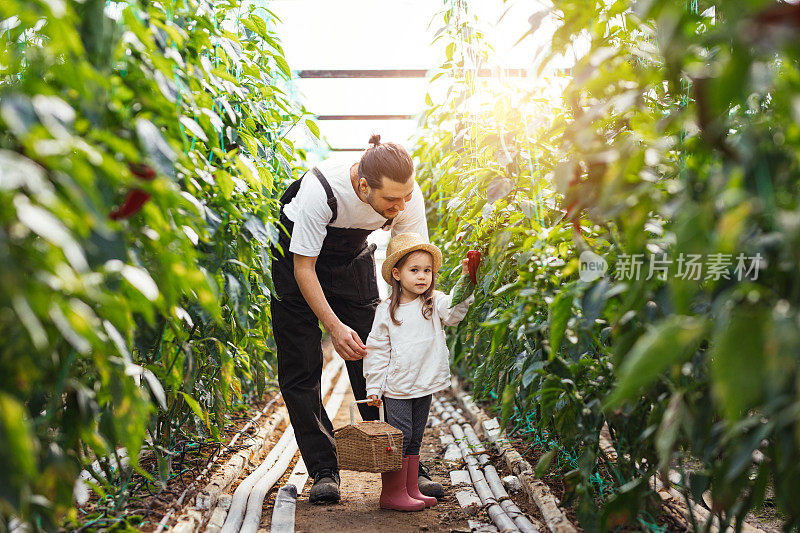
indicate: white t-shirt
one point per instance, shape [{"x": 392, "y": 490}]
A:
[
  {"x": 310, "y": 212},
  {"x": 411, "y": 360}
]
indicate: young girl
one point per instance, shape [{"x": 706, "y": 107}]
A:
[{"x": 407, "y": 358}]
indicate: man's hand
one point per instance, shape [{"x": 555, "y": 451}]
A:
[
  {"x": 465, "y": 267},
  {"x": 374, "y": 400},
  {"x": 347, "y": 343}
]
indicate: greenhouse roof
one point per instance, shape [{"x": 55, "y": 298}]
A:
[{"x": 376, "y": 82}]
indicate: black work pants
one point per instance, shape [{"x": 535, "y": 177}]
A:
[{"x": 299, "y": 341}]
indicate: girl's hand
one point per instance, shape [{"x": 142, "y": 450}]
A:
[
  {"x": 465, "y": 267},
  {"x": 374, "y": 400}
]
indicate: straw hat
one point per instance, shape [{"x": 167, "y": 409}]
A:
[{"x": 405, "y": 243}]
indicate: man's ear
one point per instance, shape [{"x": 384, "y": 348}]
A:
[
  {"x": 396, "y": 274},
  {"x": 363, "y": 186}
]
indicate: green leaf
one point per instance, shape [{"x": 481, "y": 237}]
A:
[
  {"x": 667, "y": 432},
  {"x": 284, "y": 66},
  {"x": 17, "y": 448},
  {"x": 593, "y": 302},
  {"x": 669, "y": 342},
  {"x": 248, "y": 171},
  {"x": 18, "y": 113},
  {"x": 528, "y": 208},
  {"x": 543, "y": 464},
  {"x": 257, "y": 24},
  {"x": 225, "y": 183},
  {"x": 737, "y": 360},
  {"x": 259, "y": 231},
  {"x": 266, "y": 269},
  {"x": 194, "y": 128},
  {"x": 129, "y": 418},
  {"x": 566, "y": 422},
  {"x": 623, "y": 506},
  {"x": 19, "y": 171},
  {"x": 156, "y": 388},
  {"x": 532, "y": 372},
  {"x": 464, "y": 287},
  {"x": 509, "y": 393},
  {"x": 141, "y": 280},
  {"x": 266, "y": 177},
  {"x": 51, "y": 228},
  {"x": 164, "y": 468},
  {"x": 158, "y": 150},
  {"x": 498, "y": 188},
  {"x": 313, "y": 128},
  {"x": 193, "y": 405},
  {"x": 237, "y": 298},
  {"x": 55, "y": 114},
  {"x": 559, "y": 315}
]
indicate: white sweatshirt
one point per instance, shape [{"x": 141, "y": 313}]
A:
[{"x": 411, "y": 360}]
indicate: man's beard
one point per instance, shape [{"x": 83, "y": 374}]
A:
[{"x": 385, "y": 213}]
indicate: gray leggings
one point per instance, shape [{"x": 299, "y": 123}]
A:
[{"x": 409, "y": 416}]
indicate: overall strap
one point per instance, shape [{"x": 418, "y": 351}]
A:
[{"x": 328, "y": 193}]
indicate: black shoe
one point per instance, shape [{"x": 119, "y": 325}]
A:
[
  {"x": 427, "y": 486},
  {"x": 326, "y": 487}
]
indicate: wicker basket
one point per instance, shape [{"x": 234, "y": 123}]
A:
[{"x": 370, "y": 446}]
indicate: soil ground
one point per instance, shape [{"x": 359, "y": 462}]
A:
[
  {"x": 359, "y": 512},
  {"x": 151, "y": 501},
  {"x": 765, "y": 518}
]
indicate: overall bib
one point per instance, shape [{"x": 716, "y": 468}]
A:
[{"x": 346, "y": 271}]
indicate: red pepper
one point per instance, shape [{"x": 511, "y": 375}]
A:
[
  {"x": 786, "y": 14},
  {"x": 133, "y": 202},
  {"x": 473, "y": 260},
  {"x": 136, "y": 197},
  {"x": 141, "y": 171},
  {"x": 573, "y": 215}
]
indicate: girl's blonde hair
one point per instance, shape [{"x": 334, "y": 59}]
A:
[{"x": 427, "y": 296}]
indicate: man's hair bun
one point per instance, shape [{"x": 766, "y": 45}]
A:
[{"x": 384, "y": 160}]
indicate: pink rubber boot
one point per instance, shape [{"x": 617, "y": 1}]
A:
[
  {"x": 412, "y": 486},
  {"x": 393, "y": 491}
]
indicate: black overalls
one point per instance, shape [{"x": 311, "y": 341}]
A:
[{"x": 346, "y": 270}]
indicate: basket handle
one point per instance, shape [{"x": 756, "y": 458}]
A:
[{"x": 353, "y": 411}]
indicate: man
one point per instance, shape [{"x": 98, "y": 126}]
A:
[{"x": 326, "y": 273}]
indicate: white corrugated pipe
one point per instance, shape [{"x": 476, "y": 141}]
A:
[
  {"x": 496, "y": 485},
  {"x": 284, "y": 510},
  {"x": 255, "y": 502},
  {"x": 236, "y": 514},
  {"x": 505, "y": 514},
  {"x": 286, "y": 501}
]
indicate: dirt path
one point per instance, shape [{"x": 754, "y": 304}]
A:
[{"x": 358, "y": 511}]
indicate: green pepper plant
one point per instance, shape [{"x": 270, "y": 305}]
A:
[
  {"x": 669, "y": 161},
  {"x": 141, "y": 148}
]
